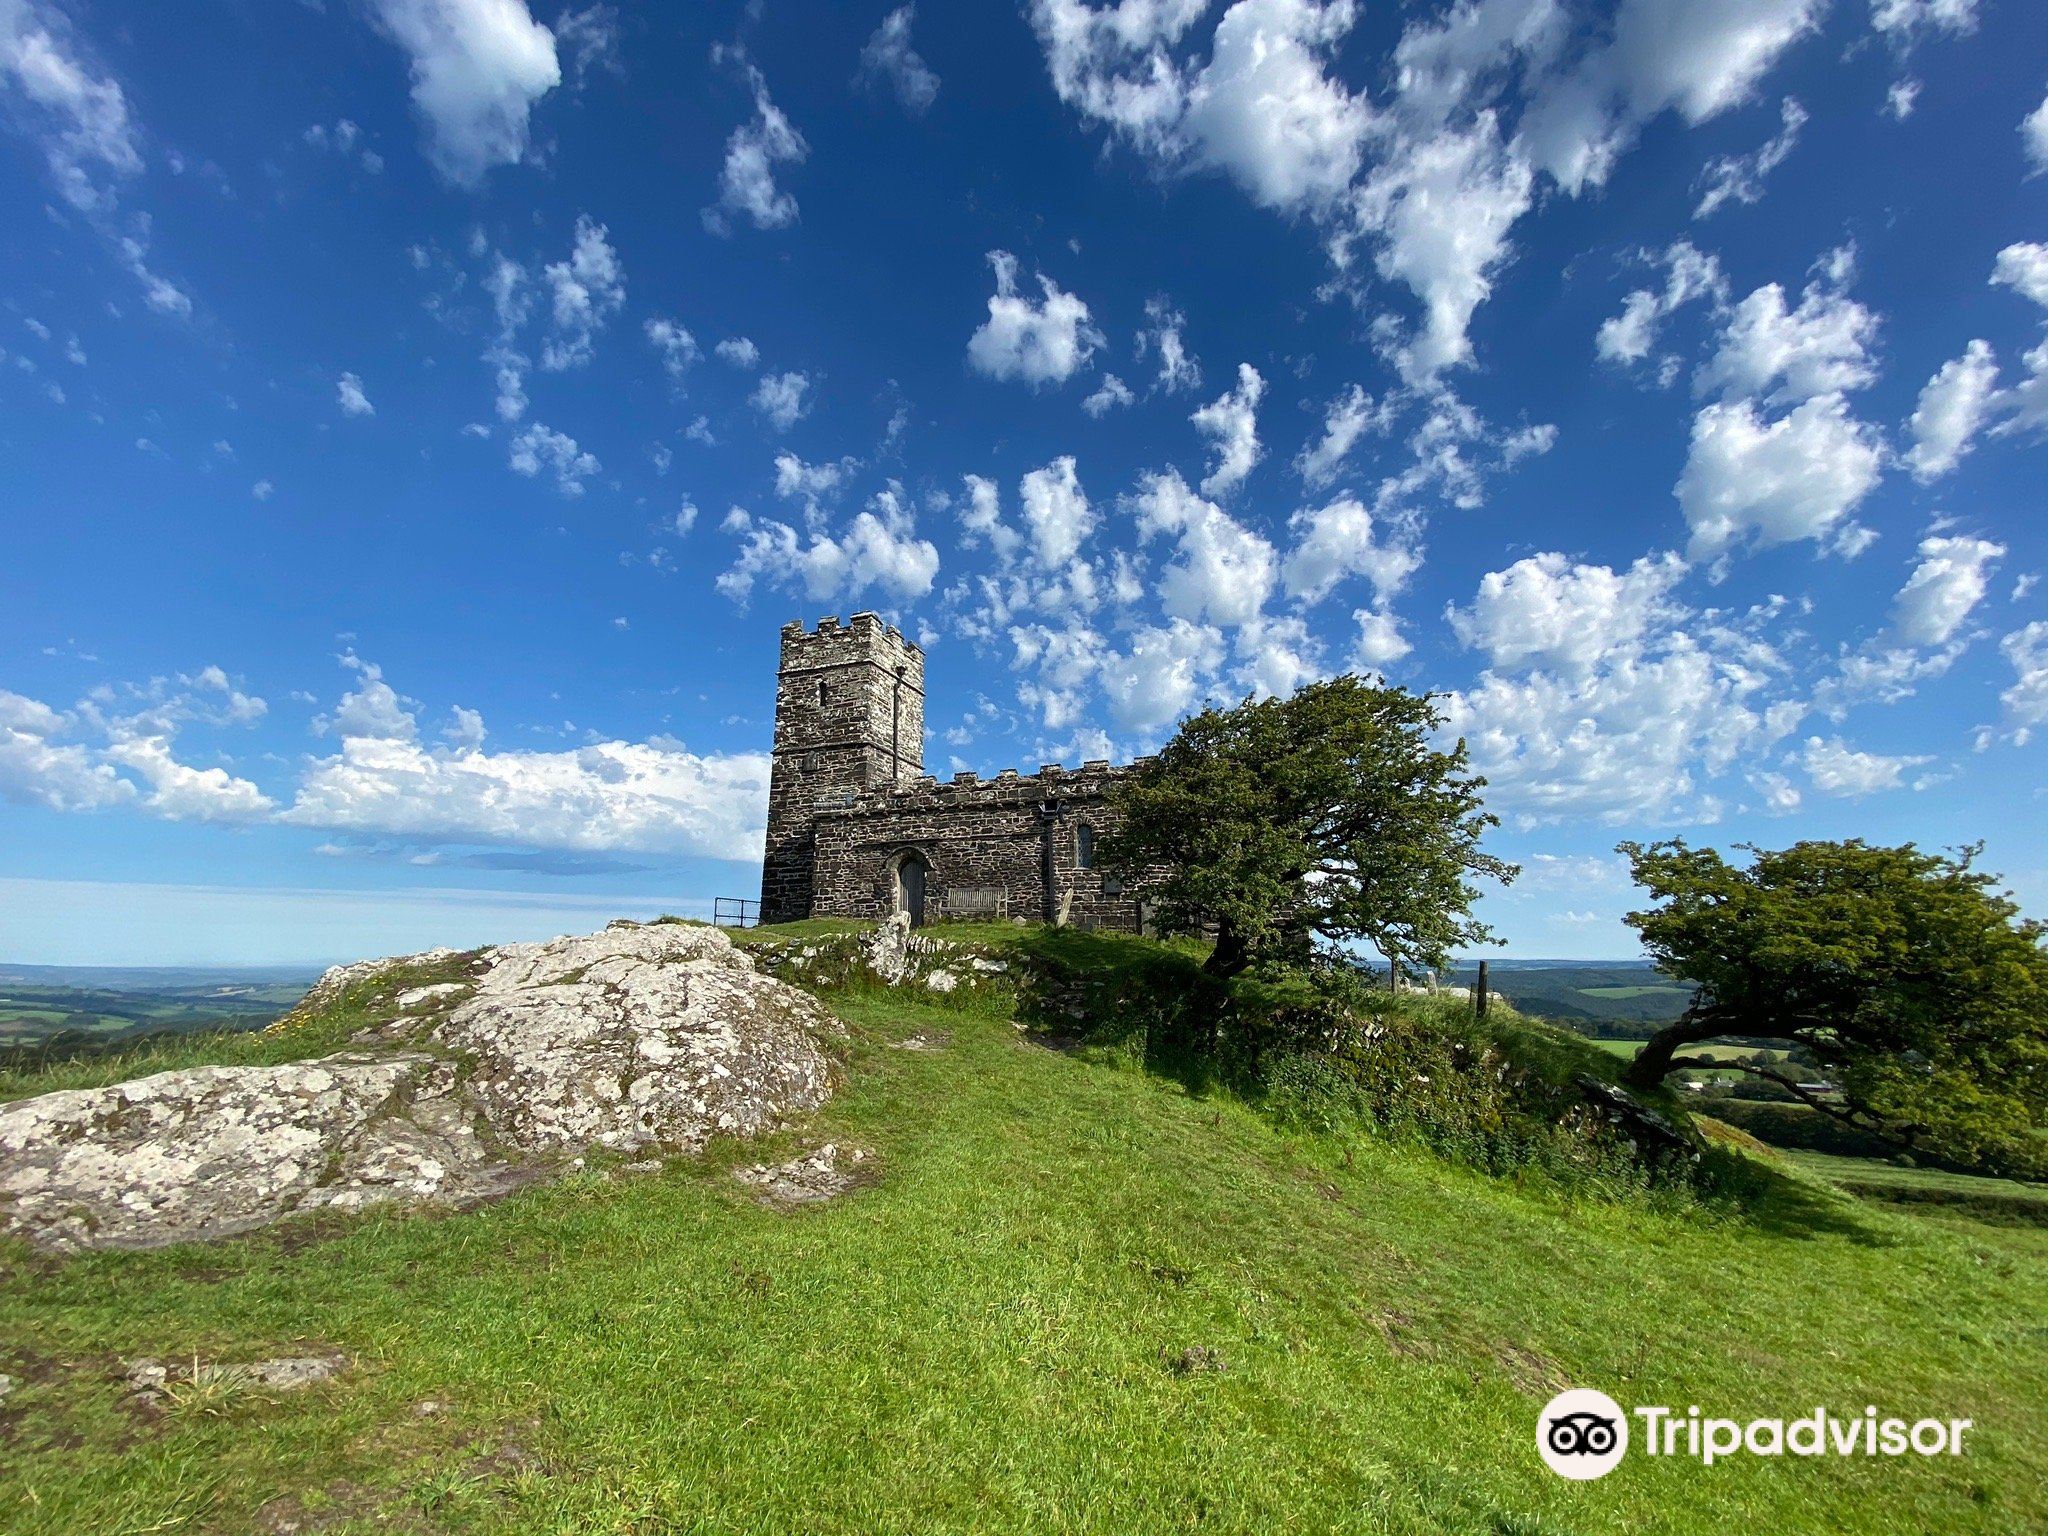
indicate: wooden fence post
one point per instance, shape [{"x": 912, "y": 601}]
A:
[{"x": 1479, "y": 993}]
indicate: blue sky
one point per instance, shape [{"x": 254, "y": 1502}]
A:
[{"x": 418, "y": 417}]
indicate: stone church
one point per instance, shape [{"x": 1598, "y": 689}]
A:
[{"x": 857, "y": 828}]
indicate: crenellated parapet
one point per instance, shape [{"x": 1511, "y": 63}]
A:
[{"x": 1052, "y": 781}]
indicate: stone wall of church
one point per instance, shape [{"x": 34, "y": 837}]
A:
[{"x": 1015, "y": 845}]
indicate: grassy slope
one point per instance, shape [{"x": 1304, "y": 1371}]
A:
[{"x": 975, "y": 1342}]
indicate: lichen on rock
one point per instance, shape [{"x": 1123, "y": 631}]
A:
[{"x": 637, "y": 1037}]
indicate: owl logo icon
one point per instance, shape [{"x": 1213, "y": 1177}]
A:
[{"x": 1582, "y": 1434}]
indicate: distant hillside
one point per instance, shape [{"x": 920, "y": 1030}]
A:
[
  {"x": 1622, "y": 997},
  {"x": 110, "y": 1003}
]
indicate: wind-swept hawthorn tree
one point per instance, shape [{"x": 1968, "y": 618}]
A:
[
  {"x": 1916, "y": 985},
  {"x": 1327, "y": 814}
]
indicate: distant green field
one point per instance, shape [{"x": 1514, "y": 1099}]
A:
[
  {"x": 33, "y": 1010},
  {"x": 1622, "y": 1048},
  {"x": 1680, "y": 993}
]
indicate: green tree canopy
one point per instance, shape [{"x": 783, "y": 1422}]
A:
[
  {"x": 1917, "y": 987},
  {"x": 1329, "y": 813}
]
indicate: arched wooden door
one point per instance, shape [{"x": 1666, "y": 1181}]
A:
[{"x": 911, "y": 870}]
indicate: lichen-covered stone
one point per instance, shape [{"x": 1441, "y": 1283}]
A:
[
  {"x": 635, "y": 1037},
  {"x": 824, "y": 1174}
]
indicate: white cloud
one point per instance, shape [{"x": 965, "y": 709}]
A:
[
  {"x": 1690, "y": 274},
  {"x": 180, "y": 792},
  {"x": 465, "y": 731},
  {"x": 1162, "y": 675},
  {"x": 1231, "y": 423},
  {"x": 1900, "y": 99},
  {"x": 1620, "y": 743},
  {"x": 1380, "y": 642},
  {"x": 38, "y": 767},
  {"x": 590, "y": 38},
  {"x": 587, "y": 290},
  {"x": 677, "y": 347},
  {"x": 1768, "y": 482},
  {"x": 1177, "y": 370},
  {"x": 372, "y": 708},
  {"x": 348, "y": 393},
  {"x": 1839, "y": 769},
  {"x": 793, "y": 477},
  {"x": 1338, "y": 541},
  {"x": 1043, "y": 343},
  {"x": 1953, "y": 404},
  {"x": 1441, "y": 211},
  {"x": 1221, "y": 572},
  {"x": 478, "y": 67},
  {"x": 345, "y": 138},
  {"x": 981, "y": 519},
  {"x": 1110, "y": 394},
  {"x": 77, "y": 117},
  {"x": 540, "y": 446},
  {"x": 784, "y": 398},
  {"x": 2026, "y": 701},
  {"x": 739, "y": 351},
  {"x": 163, "y": 296},
  {"x": 1264, "y": 111},
  {"x": 2034, "y": 136},
  {"x": 746, "y": 184},
  {"x": 1277, "y": 656},
  {"x": 1950, "y": 580},
  {"x": 1781, "y": 795},
  {"x": 1349, "y": 417},
  {"x": 2023, "y": 267},
  {"x": 1546, "y": 612},
  {"x": 2023, "y": 407},
  {"x": 1057, "y": 515},
  {"x": 888, "y": 57},
  {"x": 612, "y": 797},
  {"x": 262, "y": 490},
  {"x": 879, "y": 548},
  {"x": 1740, "y": 178},
  {"x": 1783, "y": 355},
  {"x": 1905, "y": 21}
]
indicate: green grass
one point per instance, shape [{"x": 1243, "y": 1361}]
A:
[
  {"x": 1650, "y": 991},
  {"x": 1625, "y": 1049},
  {"x": 1932, "y": 1189},
  {"x": 983, "y": 1339}
]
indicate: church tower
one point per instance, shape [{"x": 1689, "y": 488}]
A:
[{"x": 849, "y": 716}]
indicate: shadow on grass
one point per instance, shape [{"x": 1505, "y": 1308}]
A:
[
  {"x": 1778, "y": 1203},
  {"x": 1122, "y": 995}
]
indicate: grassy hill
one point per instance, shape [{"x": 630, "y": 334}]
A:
[{"x": 1076, "y": 1297}]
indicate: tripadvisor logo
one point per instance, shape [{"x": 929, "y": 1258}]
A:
[{"x": 1583, "y": 1434}]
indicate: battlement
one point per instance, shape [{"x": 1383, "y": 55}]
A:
[
  {"x": 862, "y": 630},
  {"x": 969, "y": 788}
]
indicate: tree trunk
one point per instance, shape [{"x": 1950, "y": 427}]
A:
[
  {"x": 1653, "y": 1062},
  {"x": 1231, "y": 954}
]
